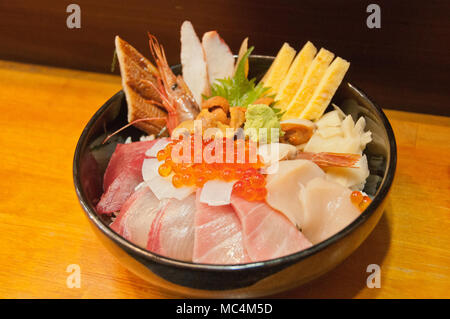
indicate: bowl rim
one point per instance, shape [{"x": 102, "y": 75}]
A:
[{"x": 288, "y": 259}]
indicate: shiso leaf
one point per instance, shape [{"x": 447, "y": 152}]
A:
[{"x": 238, "y": 90}]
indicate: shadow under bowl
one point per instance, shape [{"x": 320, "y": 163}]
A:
[{"x": 244, "y": 280}]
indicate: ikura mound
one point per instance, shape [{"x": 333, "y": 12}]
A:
[{"x": 234, "y": 171}]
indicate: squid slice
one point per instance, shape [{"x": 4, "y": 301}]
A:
[
  {"x": 219, "y": 59},
  {"x": 216, "y": 193},
  {"x": 162, "y": 187},
  {"x": 193, "y": 62},
  {"x": 159, "y": 145}
]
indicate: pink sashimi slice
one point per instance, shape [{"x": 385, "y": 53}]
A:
[
  {"x": 193, "y": 61},
  {"x": 117, "y": 193},
  {"x": 126, "y": 157},
  {"x": 267, "y": 233},
  {"x": 219, "y": 59},
  {"x": 122, "y": 175},
  {"x": 172, "y": 231},
  {"x": 136, "y": 216},
  {"x": 218, "y": 235}
]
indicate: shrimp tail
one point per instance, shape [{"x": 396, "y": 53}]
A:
[{"x": 326, "y": 159}]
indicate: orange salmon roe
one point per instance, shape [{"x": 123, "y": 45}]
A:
[
  {"x": 361, "y": 201},
  {"x": 164, "y": 170},
  {"x": 197, "y": 171}
]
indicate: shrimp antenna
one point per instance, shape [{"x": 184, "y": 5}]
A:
[
  {"x": 155, "y": 48},
  {"x": 132, "y": 123}
]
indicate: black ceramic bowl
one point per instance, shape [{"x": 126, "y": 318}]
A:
[{"x": 246, "y": 280}]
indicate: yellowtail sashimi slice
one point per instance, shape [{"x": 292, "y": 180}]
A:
[
  {"x": 193, "y": 62},
  {"x": 219, "y": 59},
  {"x": 312, "y": 79},
  {"x": 295, "y": 75},
  {"x": 218, "y": 235},
  {"x": 267, "y": 234},
  {"x": 326, "y": 89},
  {"x": 279, "y": 68}
]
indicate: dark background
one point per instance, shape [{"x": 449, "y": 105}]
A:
[{"x": 404, "y": 65}]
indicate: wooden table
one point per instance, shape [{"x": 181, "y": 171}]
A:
[{"x": 43, "y": 229}]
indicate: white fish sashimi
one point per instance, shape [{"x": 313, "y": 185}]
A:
[
  {"x": 283, "y": 188},
  {"x": 162, "y": 187},
  {"x": 159, "y": 145},
  {"x": 328, "y": 209},
  {"x": 219, "y": 59},
  {"x": 216, "y": 193},
  {"x": 137, "y": 215},
  {"x": 193, "y": 61},
  {"x": 172, "y": 231}
]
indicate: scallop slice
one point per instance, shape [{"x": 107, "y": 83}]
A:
[
  {"x": 327, "y": 209},
  {"x": 283, "y": 188}
]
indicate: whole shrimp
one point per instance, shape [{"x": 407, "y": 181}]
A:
[{"x": 176, "y": 97}]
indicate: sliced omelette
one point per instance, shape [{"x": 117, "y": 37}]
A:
[
  {"x": 311, "y": 80},
  {"x": 279, "y": 68},
  {"x": 295, "y": 75},
  {"x": 325, "y": 90}
]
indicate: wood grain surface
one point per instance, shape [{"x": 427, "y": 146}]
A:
[
  {"x": 405, "y": 63},
  {"x": 43, "y": 229}
]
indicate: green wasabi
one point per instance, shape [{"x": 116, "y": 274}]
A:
[{"x": 260, "y": 116}]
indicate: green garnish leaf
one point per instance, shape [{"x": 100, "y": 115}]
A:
[{"x": 238, "y": 90}]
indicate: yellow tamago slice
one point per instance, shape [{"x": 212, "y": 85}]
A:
[
  {"x": 311, "y": 80},
  {"x": 279, "y": 68},
  {"x": 326, "y": 89},
  {"x": 295, "y": 75}
]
